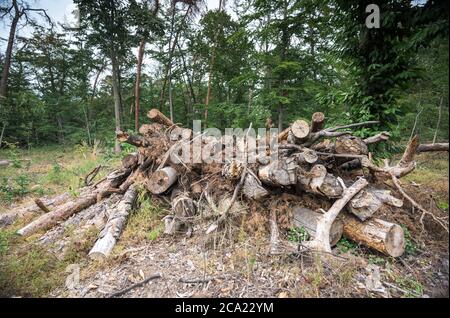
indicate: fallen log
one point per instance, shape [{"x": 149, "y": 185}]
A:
[
  {"x": 433, "y": 147},
  {"x": 307, "y": 219},
  {"x": 31, "y": 209},
  {"x": 161, "y": 180},
  {"x": 114, "y": 226},
  {"x": 67, "y": 209},
  {"x": 321, "y": 242},
  {"x": 385, "y": 237}
]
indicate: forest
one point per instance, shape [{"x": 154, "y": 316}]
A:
[
  {"x": 96, "y": 200},
  {"x": 245, "y": 61}
]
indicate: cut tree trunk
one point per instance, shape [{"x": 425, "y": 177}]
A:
[
  {"x": 319, "y": 181},
  {"x": 114, "y": 226},
  {"x": 385, "y": 237},
  {"x": 130, "y": 161},
  {"x": 281, "y": 172},
  {"x": 321, "y": 242},
  {"x": 253, "y": 189},
  {"x": 433, "y": 147},
  {"x": 317, "y": 122},
  {"x": 300, "y": 130},
  {"x": 370, "y": 200},
  {"x": 161, "y": 180},
  {"x": 350, "y": 145},
  {"x": 64, "y": 211},
  {"x": 158, "y": 117},
  {"x": 31, "y": 209},
  {"x": 308, "y": 219}
]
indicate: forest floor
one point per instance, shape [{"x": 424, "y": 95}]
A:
[{"x": 234, "y": 264}]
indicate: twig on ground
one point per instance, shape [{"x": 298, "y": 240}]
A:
[{"x": 138, "y": 284}]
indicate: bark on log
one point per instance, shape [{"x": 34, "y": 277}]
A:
[
  {"x": 308, "y": 219},
  {"x": 64, "y": 211},
  {"x": 319, "y": 181},
  {"x": 182, "y": 205},
  {"x": 433, "y": 147},
  {"x": 321, "y": 242},
  {"x": 253, "y": 189},
  {"x": 385, "y": 237},
  {"x": 31, "y": 209},
  {"x": 370, "y": 200},
  {"x": 134, "y": 140},
  {"x": 161, "y": 180},
  {"x": 350, "y": 145},
  {"x": 130, "y": 161},
  {"x": 281, "y": 172},
  {"x": 158, "y": 117},
  {"x": 317, "y": 121},
  {"x": 114, "y": 226},
  {"x": 383, "y": 136}
]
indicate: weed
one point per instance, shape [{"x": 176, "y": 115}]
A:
[
  {"x": 155, "y": 232},
  {"x": 376, "y": 260},
  {"x": 412, "y": 286},
  {"x": 298, "y": 234},
  {"x": 410, "y": 246},
  {"x": 345, "y": 245}
]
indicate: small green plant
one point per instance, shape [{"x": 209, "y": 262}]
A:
[
  {"x": 376, "y": 260},
  {"x": 345, "y": 245},
  {"x": 412, "y": 286},
  {"x": 5, "y": 238},
  {"x": 443, "y": 205},
  {"x": 155, "y": 233},
  {"x": 410, "y": 246},
  {"x": 15, "y": 186},
  {"x": 298, "y": 234}
]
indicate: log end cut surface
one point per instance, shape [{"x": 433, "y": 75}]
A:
[{"x": 395, "y": 241}]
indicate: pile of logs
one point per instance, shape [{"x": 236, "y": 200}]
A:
[{"x": 329, "y": 163}]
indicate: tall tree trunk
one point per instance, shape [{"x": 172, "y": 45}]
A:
[
  {"x": 116, "y": 93},
  {"x": 170, "y": 94},
  {"x": 171, "y": 51},
  {"x": 9, "y": 48},
  {"x": 138, "y": 84},
  {"x": 211, "y": 67},
  {"x": 439, "y": 121},
  {"x": 1, "y": 134},
  {"x": 189, "y": 79}
]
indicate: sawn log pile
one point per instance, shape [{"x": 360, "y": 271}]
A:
[{"x": 328, "y": 166}]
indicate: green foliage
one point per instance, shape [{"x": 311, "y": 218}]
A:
[
  {"x": 345, "y": 245},
  {"x": 298, "y": 234},
  {"x": 410, "y": 246}
]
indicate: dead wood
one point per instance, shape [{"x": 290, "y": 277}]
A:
[
  {"x": 321, "y": 242},
  {"x": 433, "y": 147}
]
